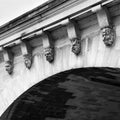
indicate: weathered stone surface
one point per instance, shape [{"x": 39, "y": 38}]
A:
[
  {"x": 108, "y": 36},
  {"x": 80, "y": 94},
  {"x": 94, "y": 53}
]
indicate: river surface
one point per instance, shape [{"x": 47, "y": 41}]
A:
[{"x": 80, "y": 94}]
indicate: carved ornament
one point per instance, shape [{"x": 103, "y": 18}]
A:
[
  {"x": 76, "y": 46},
  {"x": 49, "y": 53},
  {"x": 9, "y": 67},
  {"x": 73, "y": 35},
  {"x": 8, "y": 58},
  {"x": 105, "y": 23},
  {"x": 28, "y": 60},
  {"x": 48, "y": 46},
  {"x": 108, "y": 36},
  {"x": 27, "y": 53}
]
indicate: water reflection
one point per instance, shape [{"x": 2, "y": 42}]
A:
[{"x": 80, "y": 94}]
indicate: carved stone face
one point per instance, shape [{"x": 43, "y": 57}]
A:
[
  {"x": 76, "y": 46},
  {"x": 9, "y": 67},
  {"x": 108, "y": 36},
  {"x": 28, "y": 60},
  {"x": 49, "y": 53}
]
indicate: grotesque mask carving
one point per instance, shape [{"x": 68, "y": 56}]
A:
[
  {"x": 108, "y": 36},
  {"x": 9, "y": 67},
  {"x": 28, "y": 60},
  {"x": 49, "y": 53},
  {"x": 76, "y": 46}
]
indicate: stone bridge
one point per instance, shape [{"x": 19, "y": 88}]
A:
[{"x": 70, "y": 44}]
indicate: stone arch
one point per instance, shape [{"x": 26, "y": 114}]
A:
[
  {"x": 94, "y": 54},
  {"x": 84, "y": 93}
]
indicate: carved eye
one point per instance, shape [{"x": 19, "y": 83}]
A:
[
  {"x": 7, "y": 66},
  {"x": 73, "y": 41}
]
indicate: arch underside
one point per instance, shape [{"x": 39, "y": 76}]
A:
[
  {"x": 94, "y": 53},
  {"x": 78, "y": 94}
]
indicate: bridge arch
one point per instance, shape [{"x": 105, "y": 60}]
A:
[
  {"x": 94, "y": 53},
  {"x": 84, "y": 93}
]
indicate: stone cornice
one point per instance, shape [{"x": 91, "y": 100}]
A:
[
  {"x": 32, "y": 23},
  {"x": 31, "y": 14}
]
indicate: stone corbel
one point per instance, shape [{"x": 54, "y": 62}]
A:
[
  {"x": 27, "y": 53},
  {"x": 48, "y": 46},
  {"x": 105, "y": 24},
  {"x": 8, "y": 58},
  {"x": 73, "y": 35}
]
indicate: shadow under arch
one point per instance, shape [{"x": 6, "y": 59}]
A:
[{"x": 78, "y": 94}]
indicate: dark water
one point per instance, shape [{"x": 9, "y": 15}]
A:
[{"x": 80, "y": 94}]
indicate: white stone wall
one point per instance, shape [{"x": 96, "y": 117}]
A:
[{"x": 94, "y": 54}]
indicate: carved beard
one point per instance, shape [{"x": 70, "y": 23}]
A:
[
  {"x": 76, "y": 46},
  {"x": 108, "y": 36},
  {"x": 49, "y": 53},
  {"x": 9, "y": 67},
  {"x": 28, "y": 60}
]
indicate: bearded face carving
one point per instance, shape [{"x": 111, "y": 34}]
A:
[
  {"x": 28, "y": 60},
  {"x": 9, "y": 67},
  {"x": 108, "y": 36},
  {"x": 76, "y": 46},
  {"x": 49, "y": 53}
]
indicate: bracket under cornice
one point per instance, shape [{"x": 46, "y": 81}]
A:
[
  {"x": 8, "y": 59},
  {"x": 48, "y": 46},
  {"x": 27, "y": 53},
  {"x": 105, "y": 24},
  {"x": 73, "y": 35}
]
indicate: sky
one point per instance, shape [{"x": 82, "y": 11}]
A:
[{"x": 10, "y": 9}]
